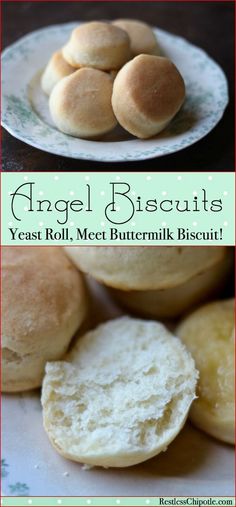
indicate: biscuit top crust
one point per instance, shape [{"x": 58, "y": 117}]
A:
[
  {"x": 155, "y": 85},
  {"x": 41, "y": 290},
  {"x": 98, "y": 35}
]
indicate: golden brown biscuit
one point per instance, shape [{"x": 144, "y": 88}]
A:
[
  {"x": 80, "y": 104},
  {"x": 56, "y": 69},
  {"x": 144, "y": 267},
  {"x": 43, "y": 304},
  {"x": 147, "y": 93},
  {"x": 173, "y": 302},
  {"x": 98, "y": 45},
  {"x": 208, "y": 333},
  {"x": 142, "y": 38}
]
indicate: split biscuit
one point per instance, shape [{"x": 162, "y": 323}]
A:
[{"x": 120, "y": 396}]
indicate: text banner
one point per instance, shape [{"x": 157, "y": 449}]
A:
[{"x": 118, "y": 208}]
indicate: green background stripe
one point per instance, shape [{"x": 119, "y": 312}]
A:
[{"x": 116, "y": 501}]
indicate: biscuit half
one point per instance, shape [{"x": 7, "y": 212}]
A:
[{"x": 121, "y": 395}]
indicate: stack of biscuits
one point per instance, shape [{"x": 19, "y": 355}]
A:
[
  {"x": 117, "y": 395},
  {"x": 158, "y": 282},
  {"x": 109, "y": 73}
]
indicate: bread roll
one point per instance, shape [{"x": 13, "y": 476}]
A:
[
  {"x": 142, "y": 38},
  {"x": 56, "y": 69},
  {"x": 147, "y": 93},
  {"x": 208, "y": 333},
  {"x": 80, "y": 104},
  {"x": 173, "y": 302},
  {"x": 43, "y": 304},
  {"x": 121, "y": 396},
  {"x": 98, "y": 45},
  {"x": 144, "y": 268}
]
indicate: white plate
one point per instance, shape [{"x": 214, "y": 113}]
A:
[
  {"x": 25, "y": 109},
  {"x": 194, "y": 464}
]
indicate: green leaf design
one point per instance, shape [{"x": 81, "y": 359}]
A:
[
  {"x": 19, "y": 107},
  {"x": 19, "y": 489},
  {"x": 4, "y": 466}
]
